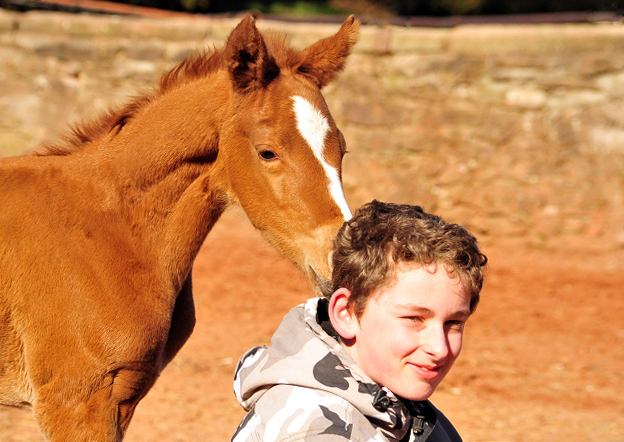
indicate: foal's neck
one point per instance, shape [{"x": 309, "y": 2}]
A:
[
  {"x": 161, "y": 166},
  {"x": 175, "y": 137}
]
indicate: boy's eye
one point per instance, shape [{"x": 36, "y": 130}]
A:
[{"x": 456, "y": 325}]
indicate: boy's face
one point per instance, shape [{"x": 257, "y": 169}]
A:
[{"x": 410, "y": 332}]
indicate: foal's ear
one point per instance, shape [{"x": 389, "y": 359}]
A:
[
  {"x": 248, "y": 61},
  {"x": 324, "y": 59}
]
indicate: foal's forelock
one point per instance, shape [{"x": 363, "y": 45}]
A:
[{"x": 313, "y": 127}]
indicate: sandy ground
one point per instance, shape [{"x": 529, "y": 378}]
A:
[{"x": 543, "y": 358}]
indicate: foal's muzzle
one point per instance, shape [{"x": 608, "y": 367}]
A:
[{"x": 321, "y": 285}]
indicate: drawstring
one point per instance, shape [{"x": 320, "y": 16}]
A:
[
  {"x": 381, "y": 402},
  {"x": 419, "y": 425}
]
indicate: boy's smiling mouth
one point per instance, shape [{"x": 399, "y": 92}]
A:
[{"x": 426, "y": 372}]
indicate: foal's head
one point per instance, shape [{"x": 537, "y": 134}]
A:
[
  {"x": 253, "y": 114},
  {"x": 280, "y": 148}
]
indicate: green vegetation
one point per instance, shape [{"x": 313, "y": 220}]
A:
[{"x": 299, "y": 8}]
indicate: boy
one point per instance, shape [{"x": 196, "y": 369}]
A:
[{"x": 361, "y": 365}]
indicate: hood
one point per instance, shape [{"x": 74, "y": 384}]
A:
[{"x": 303, "y": 354}]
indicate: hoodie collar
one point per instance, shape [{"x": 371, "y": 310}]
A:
[{"x": 305, "y": 353}]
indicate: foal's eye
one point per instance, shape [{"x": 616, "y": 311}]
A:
[{"x": 267, "y": 155}]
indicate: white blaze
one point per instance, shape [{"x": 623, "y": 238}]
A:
[{"x": 313, "y": 127}]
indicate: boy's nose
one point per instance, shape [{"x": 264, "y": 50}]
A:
[{"x": 435, "y": 342}]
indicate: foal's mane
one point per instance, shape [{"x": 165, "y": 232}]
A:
[{"x": 194, "y": 67}]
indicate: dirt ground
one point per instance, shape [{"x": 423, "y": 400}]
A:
[{"x": 543, "y": 358}]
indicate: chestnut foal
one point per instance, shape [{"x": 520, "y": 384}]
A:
[{"x": 98, "y": 233}]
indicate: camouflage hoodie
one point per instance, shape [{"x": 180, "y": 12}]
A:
[{"x": 306, "y": 387}]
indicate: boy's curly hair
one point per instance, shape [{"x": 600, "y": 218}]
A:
[{"x": 380, "y": 236}]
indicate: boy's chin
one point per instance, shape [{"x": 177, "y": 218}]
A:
[
  {"x": 412, "y": 394},
  {"x": 417, "y": 397},
  {"x": 418, "y": 391}
]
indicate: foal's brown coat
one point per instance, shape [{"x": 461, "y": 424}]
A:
[{"x": 98, "y": 234}]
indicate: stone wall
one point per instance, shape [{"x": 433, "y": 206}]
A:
[{"x": 515, "y": 130}]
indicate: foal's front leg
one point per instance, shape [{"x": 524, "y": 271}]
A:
[{"x": 102, "y": 416}]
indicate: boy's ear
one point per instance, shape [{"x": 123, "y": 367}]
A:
[{"x": 341, "y": 314}]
